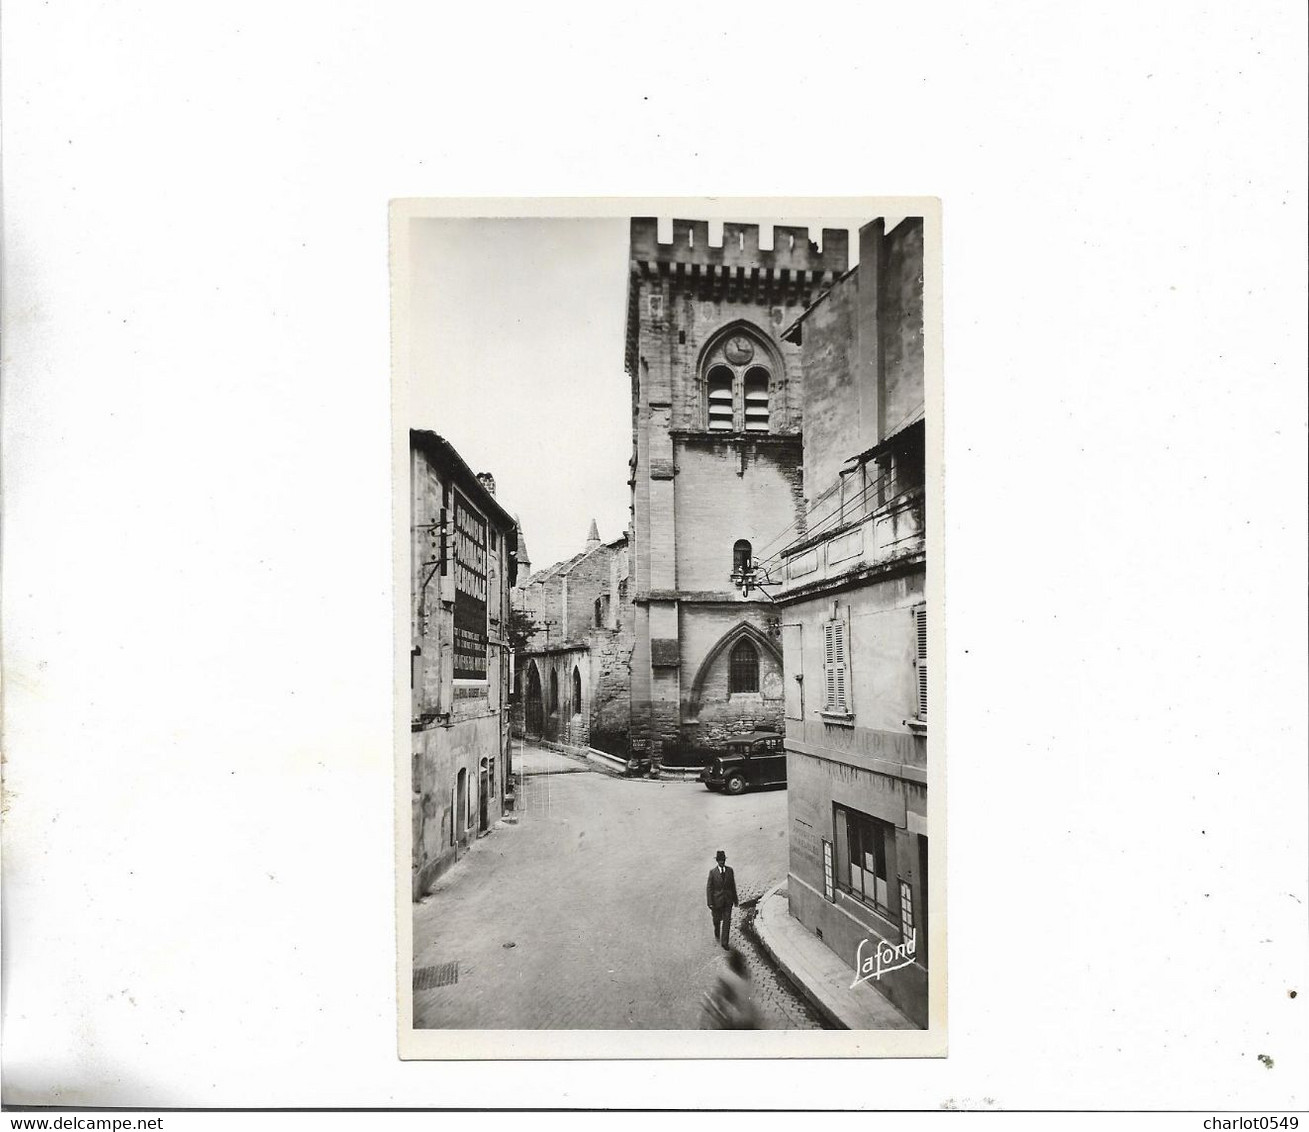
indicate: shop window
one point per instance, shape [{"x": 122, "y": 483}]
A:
[
  {"x": 743, "y": 674},
  {"x": 920, "y": 941},
  {"x": 865, "y": 858},
  {"x": 906, "y": 910}
]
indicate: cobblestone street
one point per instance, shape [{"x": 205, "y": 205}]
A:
[{"x": 589, "y": 912}]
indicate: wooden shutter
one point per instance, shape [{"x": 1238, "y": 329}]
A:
[
  {"x": 836, "y": 668},
  {"x": 792, "y": 667},
  {"x": 829, "y": 667},
  {"x": 842, "y": 667},
  {"x": 920, "y": 632}
]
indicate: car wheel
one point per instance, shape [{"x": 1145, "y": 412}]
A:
[{"x": 735, "y": 784}]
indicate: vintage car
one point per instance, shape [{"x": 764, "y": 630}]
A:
[{"x": 754, "y": 759}]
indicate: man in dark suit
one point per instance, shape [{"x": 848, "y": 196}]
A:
[{"x": 720, "y": 895}]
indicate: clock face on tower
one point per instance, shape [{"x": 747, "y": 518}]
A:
[{"x": 739, "y": 350}]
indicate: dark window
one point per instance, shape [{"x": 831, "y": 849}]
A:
[
  {"x": 577, "y": 692},
  {"x": 554, "y": 691},
  {"x": 865, "y": 858},
  {"x": 744, "y": 672},
  {"x": 741, "y": 552}
]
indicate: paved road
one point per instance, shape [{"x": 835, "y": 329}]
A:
[{"x": 599, "y": 888}]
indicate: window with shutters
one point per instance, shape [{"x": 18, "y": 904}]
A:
[
  {"x": 836, "y": 668},
  {"x": 720, "y": 399},
  {"x": 756, "y": 399},
  {"x": 920, "y": 661},
  {"x": 738, "y": 374}
]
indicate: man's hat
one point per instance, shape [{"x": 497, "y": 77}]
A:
[{"x": 720, "y": 856}]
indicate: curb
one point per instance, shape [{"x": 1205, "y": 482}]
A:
[
  {"x": 810, "y": 995},
  {"x": 606, "y": 763}
]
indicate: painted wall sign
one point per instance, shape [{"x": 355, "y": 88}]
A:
[{"x": 470, "y": 593}]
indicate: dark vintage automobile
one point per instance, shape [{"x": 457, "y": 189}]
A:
[{"x": 754, "y": 759}]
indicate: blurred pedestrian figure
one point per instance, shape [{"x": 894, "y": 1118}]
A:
[
  {"x": 730, "y": 1005},
  {"x": 720, "y": 895}
]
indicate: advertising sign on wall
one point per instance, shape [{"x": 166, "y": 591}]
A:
[{"x": 470, "y": 592}]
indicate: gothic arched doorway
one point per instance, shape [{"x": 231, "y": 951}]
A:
[
  {"x": 535, "y": 715},
  {"x": 460, "y": 822}
]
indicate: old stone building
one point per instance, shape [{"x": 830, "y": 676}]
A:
[
  {"x": 854, "y": 619},
  {"x": 573, "y": 672},
  {"x": 717, "y": 406},
  {"x": 462, "y": 564}
]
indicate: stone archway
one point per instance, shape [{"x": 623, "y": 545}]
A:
[
  {"x": 534, "y": 722},
  {"x": 742, "y": 631}
]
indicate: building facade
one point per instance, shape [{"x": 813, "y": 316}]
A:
[
  {"x": 462, "y": 566},
  {"x": 854, "y": 616},
  {"x": 717, "y": 407},
  {"x": 573, "y": 672}
]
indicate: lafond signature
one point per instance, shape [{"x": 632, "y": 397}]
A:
[{"x": 883, "y": 957}]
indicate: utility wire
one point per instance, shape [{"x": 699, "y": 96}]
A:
[{"x": 829, "y": 521}]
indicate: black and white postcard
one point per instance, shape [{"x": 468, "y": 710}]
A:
[{"x": 668, "y": 506}]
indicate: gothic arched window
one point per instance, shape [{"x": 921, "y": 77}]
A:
[
  {"x": 756, "y": 399},
  {"x": 554, "y": 691},
  {"x": 577, "y": 692},
  {"x": 737, "y": 378},
  {"x": 743, "y": 671},
  {"x": 720, "y": 399}
]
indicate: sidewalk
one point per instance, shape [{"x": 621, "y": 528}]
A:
[{"x": 818, "y": 972}]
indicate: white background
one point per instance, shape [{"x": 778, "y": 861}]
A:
[{"x": 197, "y": 556}]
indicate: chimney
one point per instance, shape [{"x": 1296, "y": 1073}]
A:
[{"x": 487, "y": 480}]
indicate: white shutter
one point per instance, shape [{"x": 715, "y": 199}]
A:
[
  {"x": 920, "y": 631},
  {"x": 829, "y": 666},
  {"x": 836, "y": 668},
  {"x": 792, "y": 668},
  {"x": 842, "y": 668}
]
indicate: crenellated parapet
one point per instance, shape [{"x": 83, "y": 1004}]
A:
[
  {"x": 792, "y": 249},
  {"x": 792, "y": 273}
]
